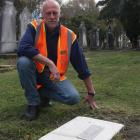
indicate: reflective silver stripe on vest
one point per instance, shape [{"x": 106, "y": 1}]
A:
[
  {"x": 37, "y": 30},
  {"x": 69, "y": 42},
  {"x": 37, "y": 34}
]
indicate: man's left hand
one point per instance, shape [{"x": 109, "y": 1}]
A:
[{"x": 90, "y": 100}]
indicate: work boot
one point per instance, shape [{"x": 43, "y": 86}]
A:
[
  {"x": 31, "y": 112},
  {"x": 45, "y": 102}
]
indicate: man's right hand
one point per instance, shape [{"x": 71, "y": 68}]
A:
[{"x": 55, "y": 75}]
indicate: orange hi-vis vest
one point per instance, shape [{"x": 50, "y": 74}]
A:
[{"x": 65, "y": 40}]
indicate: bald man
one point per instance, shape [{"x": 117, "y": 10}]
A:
[{"x": 45, "y": 51}]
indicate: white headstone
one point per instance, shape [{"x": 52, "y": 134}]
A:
[
  {"x": 0, "y": 22},
  {"x": 82, "y": 36},
  {"x": 25, "y": 18},
  {"x": 8, "y": 34},
  {"x": 84, "y": 128},
  {"x": 97, "y": 38}
]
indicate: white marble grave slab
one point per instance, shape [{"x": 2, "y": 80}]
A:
[{"x": 84, "y": 128}]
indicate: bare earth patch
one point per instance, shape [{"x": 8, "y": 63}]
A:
[{"x": 131, "y": 131}]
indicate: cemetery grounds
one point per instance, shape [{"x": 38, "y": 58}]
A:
[{"x": 116, "y": 76}]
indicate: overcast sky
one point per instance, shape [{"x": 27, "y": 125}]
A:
[{"x": 68, "y": 0}]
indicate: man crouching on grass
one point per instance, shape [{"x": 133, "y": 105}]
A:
[{"x": 44, "y": 52}]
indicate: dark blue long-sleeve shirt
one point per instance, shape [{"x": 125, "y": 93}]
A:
[{"x": 77, "y": 59}]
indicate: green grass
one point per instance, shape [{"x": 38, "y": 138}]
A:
[{"x": 116, "y": 77}]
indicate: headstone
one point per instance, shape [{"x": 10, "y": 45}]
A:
[
  {"x": 84, "y": 128},
  {"x": 90, "y": 36},
  {"x": 82, "y": 36},
  {"x": 25, "y": 18},
  {"x": 124, "y": 42},
  {"x": 97, "y": 38},
  {"x": 110, "y": 38},
  {"x": 120, "y": 40},
  {"x": 8, "y": 34},
  {"x": 104, "y": 44},
  {"x": 0, "y": 23},
  {"x": 94, "y": 41}
]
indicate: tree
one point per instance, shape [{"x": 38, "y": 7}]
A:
[
  {"x": 77, "y": 11},
  {"x": 127, "y": 12}
]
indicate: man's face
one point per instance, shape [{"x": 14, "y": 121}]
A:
[{"x": 51, "y": 15}]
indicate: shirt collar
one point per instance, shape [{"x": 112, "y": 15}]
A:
[{"x": 55, "y": 32}]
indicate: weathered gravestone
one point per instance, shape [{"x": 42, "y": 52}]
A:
[
  {"x": 0, "y": 23},
  {"x": 123, "y": 41},
  {"x": 25, "y": 18},
  {"x": 82, "y": 36},
  {"x": 110, "y": 38},
  {"x": 94, "y": 41},
  {"x": 8, "y": 33},
  {"x": 97, "y": 38}
]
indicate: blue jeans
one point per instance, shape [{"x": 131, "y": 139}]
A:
[{"x": 62, "y": 91}]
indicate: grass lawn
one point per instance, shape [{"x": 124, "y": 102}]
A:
[{"x": 116, "y": 77}]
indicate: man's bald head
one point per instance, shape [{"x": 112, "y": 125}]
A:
[
  {"x": 47, "y": 3},
  {"x": 51, "y": 13}
]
